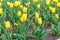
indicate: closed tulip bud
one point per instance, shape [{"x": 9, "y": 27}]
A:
[
  {"x": 53, "y": 10},
  {"x": 1, "y": 0},
  {"x": 8, "y": 3},
  {"x": 7, "y": 24},
  {"x": 40, "y": 21},
  {"x": 36, "y": 15},
  {"x": 55, "y": 1},
  {"x": 21, "y": 6},
  {"x": 35, "y": 1},
  {"x": 38, "y": 6},
  {"x": 15, "y": 24},
  {"x": 17, "y": 3},
  {"x": 56, "y": 16},
  {"x": 47, "y": 2},
  {"x": 23, "y": 18},
  {"x": 1, "y": 11},
  {"x": 50, "y": 8},
  {"x": 0, "y": 4},
  {"x": 27, "y": 4},
  {"x": 24, "y": 10},
  {"x": 58, "y": 4},
  {"x": 11, "y": 5},
  {"x": 19, "y": 13}
]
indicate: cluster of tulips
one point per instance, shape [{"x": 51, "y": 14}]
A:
[{"x": 17, "y": 16}]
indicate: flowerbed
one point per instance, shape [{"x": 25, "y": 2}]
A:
[{"x": 23, "y": 19}]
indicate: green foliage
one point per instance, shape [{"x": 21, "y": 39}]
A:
[
  {"x": 40, "y": 33},
  {"x": 56, "y": 29}
]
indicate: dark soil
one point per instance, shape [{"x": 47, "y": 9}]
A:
[
  {"x": 51, "y": 37},
  {"x": 31, "y": 39}
]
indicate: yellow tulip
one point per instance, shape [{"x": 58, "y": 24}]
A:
[
  {"x": 27, "y": 4},
  {"x": 24, "y": 18},
  {"x": 19, "y": 13},
  {"x": 21, "y": 6},
  {"x": 35, "y": 1},
  {"x": 58, "y": 4},
  {"x": 55, "y": 1},
  {"x": 1, "y": 11},
  {"x": 36, "y": 15},
  {"x": 50, "y": 8},
  {"x": 40, "y": 21},
  {"x": 38, "y": 6},
  {"x": 56, "y": 16},
  {"x": 8, "y": 3},
  {"x": 47, "y": 2},
  {"x": 0, "y": 4},
  {"x": 24, "y": 10},
  {"x": 1, "y": 0},
  {"x": 17, "y": 3},
  {"x": 53, "y": 10},
  {"x": 11, "y": 5},
  {"x": 15, "y": 24},
  {"x": 7, "y": 24}
]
